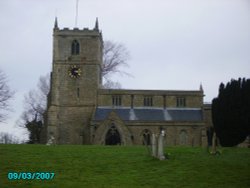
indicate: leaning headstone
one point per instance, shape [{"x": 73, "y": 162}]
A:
[{"x": 154, "y": 145}]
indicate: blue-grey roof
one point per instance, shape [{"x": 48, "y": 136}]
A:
[{"x": 150, "y": 114}]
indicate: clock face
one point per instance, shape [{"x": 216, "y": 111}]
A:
[{"x": 74, "y": 71}]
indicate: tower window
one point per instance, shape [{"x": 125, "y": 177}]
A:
[
  {"x": 116, "y": 100},
  {"x": 180, "y": 102},
  {"x": 75, "y": 47},
  {"x": 148, "y": 101}
]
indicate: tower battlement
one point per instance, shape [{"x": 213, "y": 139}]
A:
[{"x": 76, "y": 30}]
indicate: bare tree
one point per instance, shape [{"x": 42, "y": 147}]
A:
[
  {"x": 35, "y": 105},
  {"x": 35, "y": 102},
  {"x": 6, "y": 138},
  {"x": 109, "y": 84},
  {"x": 5, "y": 95},
  {"x": 115, "y": 56}
]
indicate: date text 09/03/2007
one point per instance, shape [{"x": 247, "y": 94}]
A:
[{"x": 31, "y": 175}]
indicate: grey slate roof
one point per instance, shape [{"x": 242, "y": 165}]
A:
[{"x": 150, "y": 114}]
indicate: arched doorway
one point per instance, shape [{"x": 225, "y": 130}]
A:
[{"x": 113, "y": 136}]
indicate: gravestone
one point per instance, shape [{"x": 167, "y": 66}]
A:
[
  {"x": 158, "y": 146},
  {"x": 51, "y": 141},
  {"x": 154, "y": 145}
]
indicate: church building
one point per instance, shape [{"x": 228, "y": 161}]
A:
[{"x": 80, "y": 111}]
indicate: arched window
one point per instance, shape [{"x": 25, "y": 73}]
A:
[
  {"x": 183, "y": 137},
  {"x": 146, "y": 138},
  {"x": 75, "y": 47}
]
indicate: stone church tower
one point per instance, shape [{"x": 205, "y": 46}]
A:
[{"x": 75, "y": 79}]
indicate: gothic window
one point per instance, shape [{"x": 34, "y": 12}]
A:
[
  {"x": 148, "y": 101},
  {"x": 75, "y": 47},
  {"x": 146, "y": 138},
  {"x": 183, "y": 137},
  {"x": 180, "y": 102},
  {"x": 116, "y": 100}
]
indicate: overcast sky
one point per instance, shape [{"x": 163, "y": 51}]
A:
[{"x": 174, "y": 44}]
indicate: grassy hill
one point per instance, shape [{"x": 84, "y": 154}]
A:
[{"x": 104, "y": 166}]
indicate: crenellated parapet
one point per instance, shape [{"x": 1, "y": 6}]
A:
[{"x": 75, "y": 30}]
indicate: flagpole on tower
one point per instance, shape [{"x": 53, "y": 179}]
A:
[{"x": 76, "y": 17}]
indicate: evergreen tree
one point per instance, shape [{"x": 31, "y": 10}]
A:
[{"x": 231, "y": 112}]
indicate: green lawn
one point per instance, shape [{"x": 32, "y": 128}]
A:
[{"x": 103, "y": 166}]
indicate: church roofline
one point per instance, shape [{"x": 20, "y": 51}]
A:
[
  {"x": 148, "y": 92},
  {"x": 147, "y": 107}
]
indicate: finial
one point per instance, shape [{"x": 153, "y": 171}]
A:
[
  {"x": 201, "y": 88},
  {"x": 56, "y": 24},
  {"x": 96, "y": 24}
]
